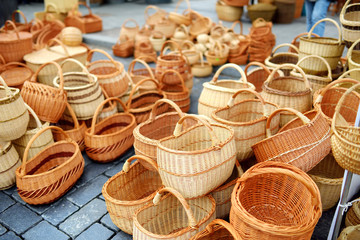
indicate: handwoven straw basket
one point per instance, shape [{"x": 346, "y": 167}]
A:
[
  {"x": 353, "y": 214},
  {"x": 129, "y": 190},
  {"x": 349, "y": 19},
  {"x": 217, "y": 229},
  {"x": 25, "y": 26},
  {"x": 127, "y": 32},
  {"x": 203, "y": 157},
  {"x": 155, "y": 18},
  {"x": 86, "y": 23},
  {"x": 228, "y": 13},
  {"x": 15, "y": 74},
  {"x": 202, "y": 68},
  {"x": 345, "y": 142},
  {"x": 166, "y": 26},
  {"x": 349, "y": 233},
  {"x": 14, "y": 117},
  {"x": 9, "y": 162},
  {"x": 108, "y": 109},
  {"x": 217, "y": 54},
  {"x": 328, "y": 176},
  {"x": 123, "y": 48},
  {"x": 50, "y": 173},
  {"x": 353, "y": 59},
  {"x": 44, "y": 140},
  {"x": 303, "y": 142},
  {"x": 261, "y": 10},
  {"x": 248, "y": 119},
  {"x": 296, "y": 41},
  {"x": 276, "y": 59},
  {"x": 139, "y": 74},
  {"x": 330, "y": 49},
  {"x": 110, "y": 74},
  {"x": 184, "y": 18},
  {"x": 157, "y": 39},
  {"x": 173, "y": 217},
  {"x": 200, "y": 25},
  {"x": 71, "y": 36},
  {"x": 110, "y": 138},
  {"x": 287, "y": 204},
  {"x": 216, "y": 93}
]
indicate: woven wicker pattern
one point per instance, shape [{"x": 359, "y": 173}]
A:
[
  {"x": 217, "y": 93},
  {"x": 228, "y": 13},
  {"x": 123, "y": 48},
  {"x": 127, "y": 32},
  {"x": 296, "y": 41},
  {"x": 304, "y": 141},
  {"x": 203, "y": 155},
  {"x": 199, "y": 25},
  {"x": 15, "y": 74},
  {"x": 217, "y": 54},
  {"x": 87, "y": 24},
  {"x": 275, "y": 201},
  {"x": 184, "y": 18},
  {"x": 51, "y": 173},
  {"x": 173, "y": 217},
  {"x": 9, "y": 162},
  {"x": 71, "y": 36},
  {"x": 129, "y": 190},
  {"x": 276, "y": 59},
  {"x": 353, "y": 57},
  {"x": 353, "y": 215},
  {"x": 349, "y": 19},
  {"x": 110, "y": 138},
  {"x": 155, "y": 18},
  {"x": 142, "y": 73},
  {"x": 261, "y": 10},
  {"x": 217, "y": 229},
  {"x": 13, "y": 113},
  {"x": 349, "y": 233}
]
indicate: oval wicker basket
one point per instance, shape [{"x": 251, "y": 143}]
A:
[
  {"x": 217, "y": 54},
  {"x": 155, "y": 18},
  {"x": 276, "y": 59},
  {"x": 71, "y": 36},
  {"x": 184, "y": 18},
  {"x": 143, "y": 73},
  {"x": 261, "y": 10},
  {"x": 15, "y": 74},
  {"x": 353, "y": 59},
  {"x": 296, "y": 41},
  {"x": 9, "y": 162},
  {"x": 228, "y": 13},
  {"x": 129, "y": 32},
  {"x": 349, "y": 233},
  {"x": 202, "y": 68}
]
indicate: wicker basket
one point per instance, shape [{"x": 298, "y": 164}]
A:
[
  {"x": 111, "y": 74},
  {"x": 87, "y": 24},
  {"x": 216, "y": 94},
  {"x": 328, "y": 176},
  {"x": 330, "y": 49},
  {"x": 181, "y": 18},
  {"x": 15, "y": 74},
  {"x": 228, "y": 13},
  {"x": 129, "y": 190},
  {"x": 277, "y": 59},
  {"x": 202, "y": 68},
  {"x": 157, "y": 39},
  {"x": 182, "y": 218},
  {"x": 296, "y": 41},
  {"x": 288, "y": 205},
  {"x": 129, "y": 33},
  {"x": 50, "y": 13},
  {"x": 155, "y": 18},
  {"x": 261, "y": 10},
  {"x": 285, "y": 11},
  {"x": 350, "y": 233},
  {"x": 51, "y": 173},
  {"x": 52, "y": 30},
  {"x": 108, "y": 109},
  {"x": 71, "y": 36},
  {"x": 22, "y": 27},
  {"x": 62, "y": 6},
  {"x": 110, "y": 138},
  {"x": 142, "y": 73},
  {"x": 200, "y": 25},
  {"x": 353, "y": 59},
  {"x": 123, "y": 48},
  {"x": 217, "y": 229},
  {"x": 217, "y": 54},
  {"x": 349, "y": 19},
  {"x": 14, "y": 44},
  {"x": 166, "y": 27},
  {"x": 353, "y": 215},
  {"x": 303, "y": 142},
  {"x": 248, "y": 119},
  {"x": 9, "y": 162}
]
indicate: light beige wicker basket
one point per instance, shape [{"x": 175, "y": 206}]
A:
[{"x": 9, "y": 162}]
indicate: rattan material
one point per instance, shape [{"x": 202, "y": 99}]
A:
[
  {"x": 258, "y": 76},
  {"x": 109, "y": 109},
  {"x": 166, "y": 26},
  {"x": 199, "y": 25},
  {"x": 15, "y": 74},
  {"x": 14, "y": 44},
  {"x": 142, "y": 73},
  {"x": 345, "y": 141},
  {"x": 182, "y": 218},
  {"x": 9, "y": 162},
  {"x": 110, "y": 74},
  {"x": 129, "y": 32},
  {"x": 302, "y": 142},
  {"x": 51, "y": 13},
  {"x": 110, "y": 138},
  {"x": 275, "y": 201},
  {"x": 157, "y": 39},
  {"x": 86, "y": 23},
  {"x": 349, "y": 19},
  {"x": 261, "y": 10},
  {"x": 129, "y": 190},
  {"x": 52, "y": 30},
  {"x": 217, "y": 54},
  {"x": 216, "y": 94},
  {"x": 20, "y": 26},
  {"x": 51, "y": 173},
  {"x": 13, "y": 113},
  {"x": 228, "y": 13},
  {"x": 202, "y": 68},
  {"x": 350, "y": 233},
  {"x": 155, "y": 18},
  {"x": 248, "y": 119},
  {"x": 296, "y": 41},
  {"x": 288, "y": 91},
  {"x": 145, "y": 50},
  {"x": 353, "y": 59},
  {"x": 277, "y": 59},
  {"x": 181, "y": 18},
  {"x": 353, "y": 215},
  {"x": 285, "y": 11},
  {"x": 123, "y": 48},
  {"x": 217, "y": 229},
  {"x": 330, "y": 49},
  {"x": 71, "y": 36},
  {"x": 237, "y": 3}
]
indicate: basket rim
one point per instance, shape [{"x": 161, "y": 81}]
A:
[
  {"x": 213, "y": 86},
  {"x": 313, "y": 40},
  {"x": 88, "y": 75},
  {"x": 268, "y": 89},
  {"x": 93, "y": 65}
]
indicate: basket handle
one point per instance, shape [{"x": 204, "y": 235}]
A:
[
  {"x": 318, "y": 100},
  {"x": 266, "y": 69},
  {"x": 289, "y": 65},
  {"x": 146, "y": 13},
  {"x": 14, "y": 27},
  {"x": 91, "y": 52},
  {"x": 326, "y": 20},
  {"x": 171, "y": 103},
  {"x": 302, "y": 35},
  {"x": 183, "y": 28},
  {"x": 99, "y": 109},
  {"x": 240, "y": 24},
  {"x": 20, "y": 13},
  {"x": 17, "y": 64},
  {"x": 32, "y": 112},
  {"x": 84, "y": 4},
  {"x": 128, "y": 103},
  {"x": 172, "y": 42},
  {"x": 217, "y": 28},
  {"x": 349, "y": 71},
  {"x": 137, "y": 60},
  {"x": 178, "y": 75},
  {"x": 59, "y": 73},
  {"x": 224, "y": 224},
  {"x": 84, "y": 69},
  {"x": 187, "y": 43},
  {"x": 178, "y": 4},
  {"x": 130, "y": 20},
  {"x": 53, "y": 6},
  {"x": 178, "y": 128},
  {"x": 302, "y": 117},
  {"x": 73, "y": 116},
  {"x": 349, "y": 53},
  {"x": 54, "y": 40},
  {"x": 127, "y": 163},
  {"x": 320, "y": 58},
  {"x": 8, "y": 91},
  {"x": 192, "y": 221},
  {"x": 26, "y": 152},
  {"x": 284, "y": 45},
  {"x": 201, "y": 58},
  {"x": 344, "y": 8},
  {"x": 232, "y": 99},
  {"x": 229, "y": 65}
]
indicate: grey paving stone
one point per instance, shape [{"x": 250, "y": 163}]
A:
[
  {"x": 59, "y": 211},
  {"x": 91, "y": 171},
  {"x": 106, "y": 220},
  {"x": 2, "y": 230},
  {"x": 18, "y": 218},
  {"x": 101, "y": 197},
  {"x": 10, "y": 191},
  {"x": 84, "y": 218},
  {"x": 10, "y": 236},
  {"x": 39, "y": 209},
  {"x": 122, "y": 236},
  {"x": 5, "y": 201},
  {"x": 86, "y": 193},
  {"x": 44, "y": 230},
  {"x": 96, "y": 231}
]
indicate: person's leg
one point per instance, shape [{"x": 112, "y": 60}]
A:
[
  {"x": 309, "y": 6},
  {"x": 319, "y": 12}
]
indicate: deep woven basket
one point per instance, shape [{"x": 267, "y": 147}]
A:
[
  {"x": 349, "y": 19},
  {"x": 276, "y": 59},
  {"x": 258, "y": 76}
]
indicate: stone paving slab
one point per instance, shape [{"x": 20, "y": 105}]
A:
[
  {"x": 59, "y": 211},
  {"x": 45, "y": 230},
  {"x": 96, "y": 231}
]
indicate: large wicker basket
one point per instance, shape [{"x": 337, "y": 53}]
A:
[{"x": 9, "y": 162}]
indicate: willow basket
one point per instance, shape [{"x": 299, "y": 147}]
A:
[
  {"x": 142, "y": 73},
  {"x": 86, "y": 23},
  {"x": 182, "y": 218},
  {"x": 216, "y": 94},
  {"x": 228, "y": 13},
  {"x": 15, "y": 74},
  {"x": 129, "y": 190},
  {"x": 349, "y": 19},
  {"x": 9, "y": 162},
  {"x": 353, "y": 215},
  {"x": 296, "y": 41},
  {"x": 61, "y": 165},
  {"x": 217, "y": 229},
  {"x": 183, "y": 18},
  {"x": 276, "y": 59},
  {"x": 127, "y": 32},
  {"x": 156, "y": 17},
  {"x": 71, "y": 36},
  {"x": 353, "y": 59}
]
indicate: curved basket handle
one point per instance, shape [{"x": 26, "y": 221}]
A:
[
  {"x": 217, "y": 29},
  {"x": 178, "y": 128},
  {"x": 232, "y": 99},
  {"x": 127, "y": 163},
  {"x": 99, "y": 108},
  {"x": 14, "y": 27},
  {"x": 72, "y": 60},
  {"x": 326, "y": 20},
  {"x": 302, "y": 35},
  {"x": 178, "y": 75},
  {"x": 37, "y": 120},
  {"x": 73, "y": 116},
  {"x": 128, "y": 103},
  {"x": 59, "y": 74},
  {"x": 189, "y": 213},
  {"x": 320, "y": 58},
  {"x": 84, "y": 4},
  {"x": 348, "y": 72},
  {"x": 349, "y": 53},
  {"x": 47, "y": 8},
  {"x": 182, "y": 28},
  {"x": 344, "y": 8},
  {"x": 284, "y": 45},
  {"x": 240, "y": 24},
  {"x": 171, "y": 103},
  {"x": 54, "y": 40},
  {"x": 224, "y": 224},
  {"x": 137, "y": 60},
  {"x": 26, "y": 152},
  {"x": 170, "y": 42},
  {"x": 130, "y": 20},
  {"x": 259, "y": 64},
  {"x": 229, "y": 65},
  {"x": 21, "y": 14},
  {"x": 8, "y": 91},
  {"x": 146, "y": 13},
  {"x": 178, "y": 4},
  {"x": 302, "y": 117},
  {"x": 289, "y": 65},
  {"x": 90, "y": 54}
]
